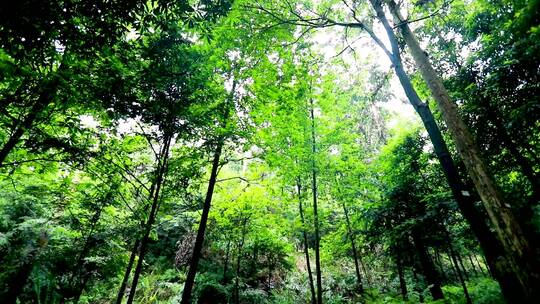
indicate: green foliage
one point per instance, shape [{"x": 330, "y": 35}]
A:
[{"x": 110, "y": 108}]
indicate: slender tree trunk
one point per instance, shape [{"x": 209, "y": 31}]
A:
[
  {"x": 135, "y": 250},
  {"x": 315, "y": 212},
  {"x": 306, "y": 247},
  {"x": 439, "y": 263},
  {"x": 353, "y": 247},
  {"x": 199, "y": 240},
  {"x": 129, "y": 267},
  {"x": 161, "y": 170},
  {"x": 453, "y": 266},
  {"x": 190, "y": 279},
  {"x": 238, "y": 259},
  {"x": 429, "y": 270},
  {"x": 507, "y": 227},
  {"x": 482, "y": 268},
  {"x": 364, "y": 269},
  {"x": 79, "y": 265},
  {"x": 454, "y": 261},
  {"x": 486, "y": 264},
  {"x": 402, "y": 283},
  {"x": 417, "y": 286},
  {"x": 46, "y": 96},
  {"x": 472, "y": 266},
  {"x": 226, "y": 263},
  {"x": 459, "y": 275},
  {"x": 460, "y": 260},
  {"x": 39, "y": 105}
]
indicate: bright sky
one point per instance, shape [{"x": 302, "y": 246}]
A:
[{"x": 329, "y": 42}]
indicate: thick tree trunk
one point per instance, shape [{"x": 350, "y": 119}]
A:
[
  {"x": 315, "y": 212},
  {"x": 306, "y": 247},
  {"x": 508, "y": 229},
  {"x": 161, "y": 170},
  {"x": 503, "y": 268},
  {"x": 428, "y": 268}
]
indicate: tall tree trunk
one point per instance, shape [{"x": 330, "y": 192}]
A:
[
  {"x": 226, "y": 263},
  {"x": 135, "y": 250},
  {"x": 472, "y": 266},
  {"x": 417, "y": 286},
  {"x": 238, "y": 259},
  {"x": 428, "y": 268},
  {"x": 438, "y": 262},
  {"x": 353, "y": 247},
  {"x": 197, "y": 248},
  {"x": 507, "y": 227},
  {"x": 161, "y": 170},
  {"x": 462, "y": 265},
  {"x": 454, "y": 261},
  {"x": 127, "y": 273},
  {"x": 402, "y": 283},
  {"x": 315, "y": 212},
  {"x": 459, "y": 274},
  {"x": 508, "y": 278},
  {"x": 199, "y": 240},
  {"x": 306, "y": 247}
]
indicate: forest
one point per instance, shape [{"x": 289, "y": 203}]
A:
[{"x": 270, "y": 151}]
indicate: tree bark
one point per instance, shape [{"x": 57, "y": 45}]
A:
[
  {"x": 161, "y": 170},
  {"x": 238, "y": 259},
  {"x": 306, "y": 247},
  {"x": 199, "y": 240},
  {"x": 315, "y": 212},
  {"x": 353, "y": 247},
  {"x": 508, "y": 229},
  {"x": 190, "y": 279},
  {"x": 473, "y": 266},
  {"x": 402, "y": 283},
  {"x": 454, "y": 261},
  {"x": 462, "y": 265},
  {"x": 129, "y": 267},
  {"x": 44, "y": 99},
  {"x": 428, "y": 268},
  {"x": 417, "y": 286},
  {"x": 493, "y": 249},
  {"x": 226, "y": 263}
]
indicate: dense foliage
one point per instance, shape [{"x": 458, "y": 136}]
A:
[{"x": 219, "y": 151}]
